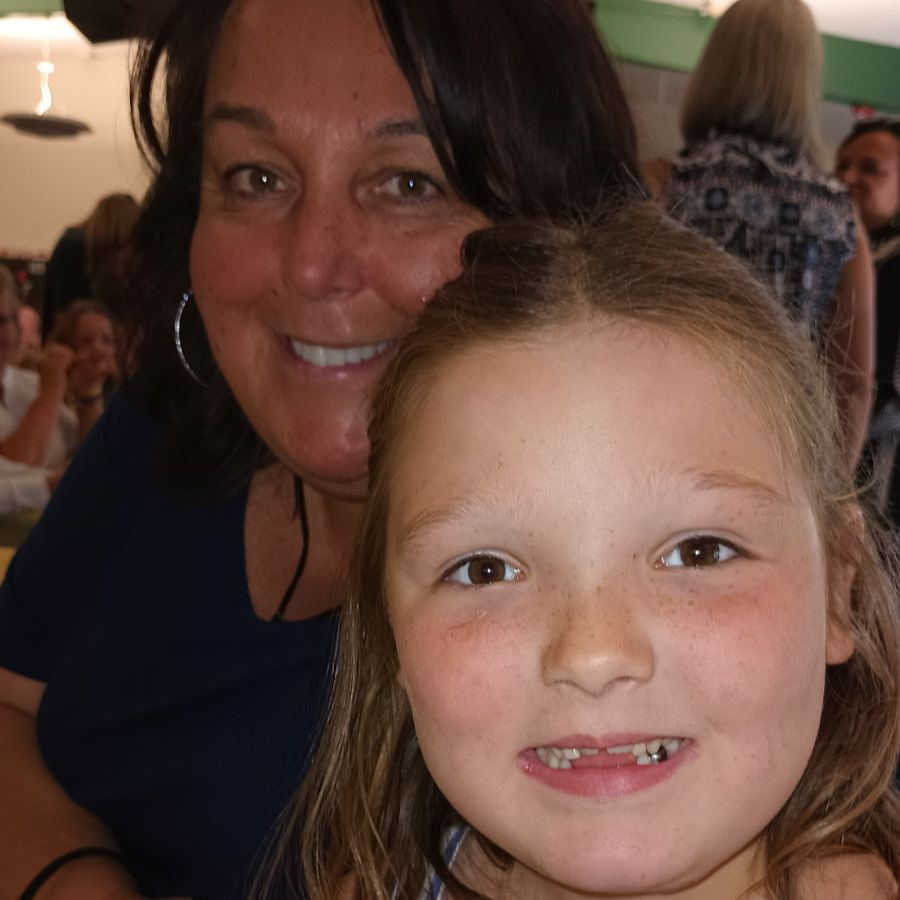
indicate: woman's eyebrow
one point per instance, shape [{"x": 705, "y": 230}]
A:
[
  {"x": 248, "y": 116},
  {"x": 398, "y": 128}
]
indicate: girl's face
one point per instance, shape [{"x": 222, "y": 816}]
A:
[
  {"x": 870, "y": 167},
  {"x": 597, "y": 552},
  {"x": 325, "y": 222}
]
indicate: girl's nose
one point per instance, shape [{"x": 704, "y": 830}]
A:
[
  {"x": 598, "y": 644},
  {"x": 322, "y": 252}
]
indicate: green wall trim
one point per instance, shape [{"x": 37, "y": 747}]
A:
[
  {"x": 30, "y": 7},
  {"x": 672, "y": 37}
]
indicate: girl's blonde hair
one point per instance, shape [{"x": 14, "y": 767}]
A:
[
  {"x": 759, "y": 74},
  {"x": 369, "y": 807}
]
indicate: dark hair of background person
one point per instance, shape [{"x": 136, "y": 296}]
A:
[
  {"x": 867, "y": 126},
  {"x": 526, "y": 115}
]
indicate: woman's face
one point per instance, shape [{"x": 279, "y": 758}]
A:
[
  {"x": 325, "y": 224},
  {"x": 94, "y": 336},
  {"x": 94, "y": 344},
  {"x": 870, "y": 167}
]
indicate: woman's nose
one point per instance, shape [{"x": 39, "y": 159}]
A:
[
  {"x": 323, "y": 250},
  {"x": 599, "y": 643},
  {"x": 848, "y": 176}
]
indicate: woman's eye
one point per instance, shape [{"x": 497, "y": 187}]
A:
[
  {"x": 696, "y": 552},
  {"x": 410, "y": 187},
  {"x": 480, "y": 570},
  {"x": 252, "y": 181}
]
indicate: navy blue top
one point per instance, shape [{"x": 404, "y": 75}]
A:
[{"x": 172, "y": 712}]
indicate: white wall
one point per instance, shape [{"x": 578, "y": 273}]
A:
[{"x": 48, "y": 184}]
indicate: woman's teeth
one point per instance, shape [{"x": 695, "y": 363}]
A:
[
  {"x": 317, "y": 355},
  {"x": 646, "y": 753}
]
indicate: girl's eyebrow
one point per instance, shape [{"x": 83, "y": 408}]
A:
[
  {"x": 728, "y": 479},
  {"x": 465, "y": 508}
]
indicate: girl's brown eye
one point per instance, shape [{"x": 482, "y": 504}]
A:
[
  {"x": 697, "y": 552},
  {"x": 483, "y": 570}
]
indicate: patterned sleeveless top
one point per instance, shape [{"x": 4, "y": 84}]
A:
[{"x": 770, "y": 205}]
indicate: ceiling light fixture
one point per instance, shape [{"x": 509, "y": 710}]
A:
[{"x": 39, "y": 123}]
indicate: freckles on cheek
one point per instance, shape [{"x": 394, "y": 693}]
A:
[
  {"x": 757, "y": 653},
  {"x": 457, "y": 676}
]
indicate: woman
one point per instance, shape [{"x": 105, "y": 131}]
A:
[
  {"x": 869, "y": 164},
  {"x": 45, "y": 414},
  {"x": 88, "y": 328},
  {"x": 748, "y": 179},
  {"x": 347, "y": 148},
  {"x": 89, "y": 259},
  {"x": 37, "y": 431}
]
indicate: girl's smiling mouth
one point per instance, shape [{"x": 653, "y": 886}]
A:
[
  {"x": 606, "y": 769},
  {"x": 641, "y": 753}
]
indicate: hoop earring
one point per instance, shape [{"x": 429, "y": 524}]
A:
[{"x": 186, "y": 298}]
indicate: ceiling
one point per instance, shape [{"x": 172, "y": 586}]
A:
[{"x": 873, "y": 21}]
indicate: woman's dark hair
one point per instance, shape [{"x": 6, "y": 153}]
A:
[
  {"x": 867, "y": 126},
  {"x": 518, "y": 97}
]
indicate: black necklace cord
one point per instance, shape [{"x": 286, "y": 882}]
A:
[{"x": 300, "y": 500}]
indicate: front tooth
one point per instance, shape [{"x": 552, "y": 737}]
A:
[
  {"x": 654, "y": 745},
  {"x": 624, "y": 748},
  {"x": 553, "y": 761},
  {"x": 588, "y": 751},
  {"x": 644, "y": 760},
  {"x": 565, "y": 764},
  {"x": 672, "y": 745},
  {"x": 571, "y": 753},
  {"x": 639, "y": 749}
]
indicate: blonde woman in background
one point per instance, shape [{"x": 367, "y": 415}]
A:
[{"x": 750, "y": 179}]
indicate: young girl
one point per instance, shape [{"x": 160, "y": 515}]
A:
[{"x": 616, "y": 628}]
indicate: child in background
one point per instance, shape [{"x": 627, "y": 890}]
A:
[{"x": 615, "y": 627}]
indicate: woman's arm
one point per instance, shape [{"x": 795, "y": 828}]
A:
[
  {"x": 852, "y": 347},
  {"x": 38, "y": 821},
  {"x": 29, "y": 442}
]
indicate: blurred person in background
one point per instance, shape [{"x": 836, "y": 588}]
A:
[
  {"x": 750, "y": 179},
  {"x": 89, "y": 329},
  {"x": 868, "y": 162},
  {"x": 90, "y": 260}
]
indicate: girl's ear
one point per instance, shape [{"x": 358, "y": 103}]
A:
[{"x": 840, "y": 642}]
